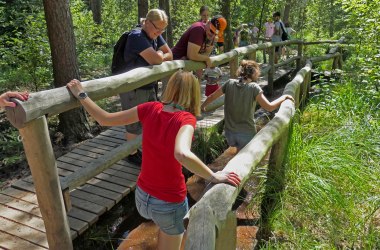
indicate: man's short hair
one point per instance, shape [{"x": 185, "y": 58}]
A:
[{"x": 277, "y": 13}]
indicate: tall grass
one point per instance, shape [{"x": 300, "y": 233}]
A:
[{"x": 332, "y": 195}]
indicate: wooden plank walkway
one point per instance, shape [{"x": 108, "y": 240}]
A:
[{"x": 21, "y": 224}]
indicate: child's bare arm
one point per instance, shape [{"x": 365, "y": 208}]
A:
[{"x": 270, "y": 106}]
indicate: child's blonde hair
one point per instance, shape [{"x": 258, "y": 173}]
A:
[
  {"x": 183, "y": 89},
  {"x": 250, "y": 69},
  {"x": 157, "y": 15}
]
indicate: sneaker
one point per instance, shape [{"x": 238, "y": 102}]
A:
[{"x": 136, "y": 158}]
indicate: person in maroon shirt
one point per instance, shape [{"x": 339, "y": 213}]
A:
[
  {"x": 168, "y": 129},
  {"x": 198, "y": 40}
]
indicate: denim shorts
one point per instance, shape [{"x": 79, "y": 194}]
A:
[
  {"x": 168, "y": 216},
  {"x": 238, "y": 140},
  {"x": 132, "y": 99}
]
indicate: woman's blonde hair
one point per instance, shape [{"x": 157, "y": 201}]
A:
[
  {"x": 183, "y": 89},
  {"x": 157, "y": 15},
  {"x": 250, "y": 69}
]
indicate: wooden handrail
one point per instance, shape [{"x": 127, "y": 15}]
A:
[
  {"x": 58, "y": 100},
  {"x": 100, "y": 164},
  {"x": 29, "y": 118},
  {"x": 215, "y": 206}
]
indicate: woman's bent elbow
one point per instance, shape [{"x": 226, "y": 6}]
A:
[{"x": 181, "y": 156}]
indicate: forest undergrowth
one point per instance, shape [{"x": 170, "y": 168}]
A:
[{"x": 331, "y": 199}]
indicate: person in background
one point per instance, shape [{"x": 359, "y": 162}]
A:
[
  {"x": 168, "y": 128},
  {"x": 198, "y": 40},
  {"x": 286, "y": 49},
  {"x": 144, "y": 47},
  {"x": 289, "y": 30},
  {"x": 5, "y": 98},
  {"x": 240, "y": 101},
  {"x": 244, "y": 38},
  {"x": 213, "y": 76},
  {"x": 269, "y": 29},
  {"x": 204, "y": 13},
  {"x": 276, "y": 37},
  {"x": 254, "y": 32}
]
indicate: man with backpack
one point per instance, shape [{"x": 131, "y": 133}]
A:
[
  {"x": 142, "y": 47},
  {"x": 278, "y": 35}
]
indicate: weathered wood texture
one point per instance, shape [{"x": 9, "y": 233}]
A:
[
  {"x": 58, "y": 100},
  {"x": 41, "y": 161},
  {"x": 208, "y": 215}
]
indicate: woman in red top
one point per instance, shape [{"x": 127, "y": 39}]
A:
[{"x": 168, "y": 128}]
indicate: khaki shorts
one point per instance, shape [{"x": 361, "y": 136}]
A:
[{"x": 132, "y": 99}]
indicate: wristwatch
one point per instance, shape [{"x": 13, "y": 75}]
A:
[{"x": 82, "y": 95}]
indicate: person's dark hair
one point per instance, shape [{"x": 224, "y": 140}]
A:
[
  {"x": 203, "y": 8},
  {"x": 277, "y": 13},
  {"x": 287, "y": 24},
  {"x": 249, "y": 69}
]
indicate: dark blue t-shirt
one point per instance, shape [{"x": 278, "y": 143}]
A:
[{"x": 137, "y": 42}]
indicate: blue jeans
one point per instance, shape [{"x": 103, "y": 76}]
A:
[
  {"x": 238, "y": 140},
  {"x": 168, "y": 216}
]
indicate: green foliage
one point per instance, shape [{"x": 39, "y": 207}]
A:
[
  {"x": 333, "y": 172},
  {"x": 10, "y": 146},
  {"x": 209, "y": 143},
  {"x": 25, "y": 56}
]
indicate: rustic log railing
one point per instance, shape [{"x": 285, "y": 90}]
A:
[
  {"x": 30, "y": 118},
  {"x": 211, "y": 223}
]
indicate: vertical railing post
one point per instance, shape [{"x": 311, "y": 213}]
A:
[
  {"x": 271, "y": 70},
  {"x": 234, "y": 64},
  {"x": 226, "y": 236},
  {"x": 252, "y": 56},
  {"x": 41, "y": 160},
  {"x": 274, "y": 185},
  {"x": 299, "y": 53}
]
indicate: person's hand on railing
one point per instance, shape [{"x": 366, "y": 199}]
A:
[
  {"x": 225, "y": 177},
  {"x": 6, "y": 97},
  {"x": 75, "y": 86},
  {"x": 288, "y": 97}
]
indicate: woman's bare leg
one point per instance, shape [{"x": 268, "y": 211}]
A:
[{"x": 169, "y": 242}]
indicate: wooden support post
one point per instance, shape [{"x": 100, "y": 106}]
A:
[
  {"x": 299, "y": 53},
  {"x": 66, "y": 199},
  {"x": 264, "y": 55},
  {"x": 234, "y": 65},
  {"x": 274, "y": 186},
  {"x": 335, "y": 63},
  {"x": 271, "y": 71},
  {"x": 41, "y": 160},
  {"x": 226, "y": 234},
  {"x": 297, "y": 98},
  {"x": 252, "y": 56}
]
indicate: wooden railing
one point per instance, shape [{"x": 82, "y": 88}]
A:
[
  {"x": 211, "y": 222},
  {"x": 52, "y": 192}
]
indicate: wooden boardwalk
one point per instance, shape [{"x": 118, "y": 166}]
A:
[{"x": 21, "y": 224}]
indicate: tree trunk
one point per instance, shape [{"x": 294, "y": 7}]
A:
[
  {"x": 288, "y": 6},
  {"x": 332, "y": 18},
  {"x": 226, "y": 12},
  {"x": 96, "y": 8},
  {"x": 168, "y": 35},
  {"x": 143, "y": 8},
  {"x": 73, "y": 124}
]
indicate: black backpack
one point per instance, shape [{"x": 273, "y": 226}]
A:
[
  {"x": 284, "y": 35},
  {"x": 118, "y": 62}
]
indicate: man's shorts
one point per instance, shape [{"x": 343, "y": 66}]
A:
[
  {"x": 132, "y": 99},
  {"x": 238, "y": 140},
  {"x": 168, "y": 216}
]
